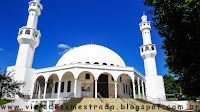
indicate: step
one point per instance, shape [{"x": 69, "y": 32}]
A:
[{"x": 120, "y": 105}]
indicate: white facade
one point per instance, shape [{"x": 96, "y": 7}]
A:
[{"x": 85, "y": 70}]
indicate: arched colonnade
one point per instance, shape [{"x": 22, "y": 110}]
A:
[{"x": 89, "y": 82}]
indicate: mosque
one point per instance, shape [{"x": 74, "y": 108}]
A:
[{"x": 85, "y": 71}]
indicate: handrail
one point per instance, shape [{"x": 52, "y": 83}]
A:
[
  {"x": 122, "y": 98},
  {"x": 64, "y": 99},
  {"x": 102, "y": 99}
]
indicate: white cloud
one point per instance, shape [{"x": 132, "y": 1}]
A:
[
  {"x": 63, "y": 46},
  {"x": 66, "y": 47},
  {"x": 1, "y": 49}
]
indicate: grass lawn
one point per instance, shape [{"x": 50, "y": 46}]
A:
[{"x": 4, "y": 101}]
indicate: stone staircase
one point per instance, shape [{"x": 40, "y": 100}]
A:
[{"x": 114, "y": 105}]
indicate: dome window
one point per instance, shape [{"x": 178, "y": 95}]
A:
[
  {"x": 96, "y": 63},
  {"x": 87, "y": 62},
  {"x": 104, "y": 63}
]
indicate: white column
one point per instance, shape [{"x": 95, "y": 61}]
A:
[
  {"x": 75, "y": 84},
  {"x": 139, "y": 87},
  {"x": 38, "y": 90},
  {"x": 115, "y": 89},
  {"x": 143, "y": 89},
  {"x": 95, "y": 88},
  {"x": 59, "y": 85},
  {"x": 34, "y": 91},
  {"x": 45, "y": 89},
  {"x": 134, "y": 89}
]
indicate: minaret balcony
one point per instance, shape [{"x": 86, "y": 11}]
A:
[
  {"x": 35, "y": 6},
  {"x": 145, "y": 25},
  {"x": 28, "y": 35},
  {"x": 148, "y": 50}
]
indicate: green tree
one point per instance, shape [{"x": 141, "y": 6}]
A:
[
  {"x": 171, "y": 85},
  {"x": 9, "y": 87},
  {"x": 178, "y": 22}
]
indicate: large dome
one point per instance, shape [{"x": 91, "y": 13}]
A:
[{"x": 91, "y": 54}]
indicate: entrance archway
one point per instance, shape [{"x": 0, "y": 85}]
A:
[{"x": 106, "y": 85}]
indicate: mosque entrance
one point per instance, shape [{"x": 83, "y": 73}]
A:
[{"x": 102, "y": 85}]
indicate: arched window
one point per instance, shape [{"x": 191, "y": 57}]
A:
[
  {"x": 142, "y": 49},
  {"x": 62, "y": 86},
  {"x": 120, "y": 78},
  {"x": 21, "y": 31},
  {"x": 27, "y": 32},
  {"x": 56, "y": 87},
  {"x": 152, "y": 47},
  {"x": 88, "y": 62},
  {"x": 104, "y": 63},
  {"x": 69, "y": 86},
  {"x": 126, "y": 89},
  {"x": 146, "y": 48},
  {"x": 96, "y": 63},
  {"x": 112, "y": 64}
]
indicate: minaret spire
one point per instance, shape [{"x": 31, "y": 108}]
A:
[
  {"x": 29, "y": 36},
  {"x": 148, "y": 50},
  {"x": 154, "y": 83}
]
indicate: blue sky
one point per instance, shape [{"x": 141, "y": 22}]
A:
[{"x": 110, "y": 23}]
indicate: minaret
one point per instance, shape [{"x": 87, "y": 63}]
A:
[
  {"x": 148, "y": 50},
  {"x": 28, "y": 39},
  {"x": 154, "y": 83},
  {"x": 29, "y": 36}
]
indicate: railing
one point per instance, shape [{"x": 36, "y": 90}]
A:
[
  {"x": 63, "y": 100},
  {"x": 164, "y": 102},
  {"x": 121, "y": 97},
  {"x": 124, "y": 99},
  {"x": 48, "y": 95},
  {"x": 36, "y": 96},
  {"x": 102, "y": 99}
]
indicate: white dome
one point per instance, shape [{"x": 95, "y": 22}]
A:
[{"x": 91, "y": 54}]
